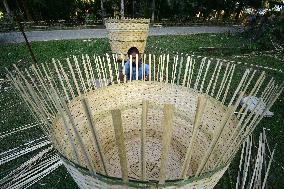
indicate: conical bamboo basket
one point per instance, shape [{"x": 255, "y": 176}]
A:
[
  {"x": 125, "y": 33},
  {"x": 177, "y": 130}
]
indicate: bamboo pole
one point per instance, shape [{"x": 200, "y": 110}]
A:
[
  {"x": 119, "y": 137},
  {"x": 201, "y": 104},
  {"x": 166, "y": 140},
  {"x": 213, "y": 143},
  {"x": 74, "y": 77},
  {"x": 92, "y": 127},
  {"x": 204, "y": 76},
  {"x": 145, "y": 105}
]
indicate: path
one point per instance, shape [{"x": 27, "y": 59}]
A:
[{"x": 16, "y": 37}]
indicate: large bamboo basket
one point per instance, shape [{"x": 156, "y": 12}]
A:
[
  {"x": 125, "y": 33},
  {"x": 178, "y": 129}
]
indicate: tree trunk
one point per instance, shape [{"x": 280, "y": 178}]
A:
[
  {"x": 153, "y": 11},
  {"x": 122, "y": 8},
  {"x": 103, "y": 11},
  {"x": 27, "y": 12},
  {"x": 8, "y": 10}
]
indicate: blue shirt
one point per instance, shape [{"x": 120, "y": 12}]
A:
[{"x": 140, "y": 71}]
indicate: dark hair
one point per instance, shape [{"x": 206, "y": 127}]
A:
[{"x": 132, "y": 50}]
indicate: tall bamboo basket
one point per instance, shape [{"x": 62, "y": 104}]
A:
[
  {"x": 179, "y": 129},
  {"x": 125, "y": 33}
]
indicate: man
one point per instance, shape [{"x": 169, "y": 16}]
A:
[{"x": 134, "y": 53}]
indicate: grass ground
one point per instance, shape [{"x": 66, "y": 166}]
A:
[{"x": 227, "y": 46}]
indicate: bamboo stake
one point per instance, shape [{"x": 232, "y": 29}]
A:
[
  {"x": 119, "y": 137},
  {"x": 145, "y": 105},
  {"x": 144, "y": 68},
  {"x": 88, "y": 113},
  {"x": 154, "y": 65},
  {"x": 109, "y": 68},
  {"x": 166, "y": 140},
  {"x": 201, "y": 104},
  {"x": 102, "y": 68}
]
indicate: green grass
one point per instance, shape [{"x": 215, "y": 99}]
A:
[{"x": 227, "y": 46}]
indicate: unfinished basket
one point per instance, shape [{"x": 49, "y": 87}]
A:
[
  {"x": 179, "y": 129},
  {"x": 126, "y": 33}
]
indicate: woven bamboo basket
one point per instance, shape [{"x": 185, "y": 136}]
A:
[
  {"x": 176, "y": 130},
  {"x": 126, "y": 33}
]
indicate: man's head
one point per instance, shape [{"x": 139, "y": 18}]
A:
[{"x": 134, "y": 52}]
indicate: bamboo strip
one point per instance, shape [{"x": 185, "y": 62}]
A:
[
  {"x": 79, "y": 73},
  {"x": 201, "y": 104},
  {"x": 109, "y": 68},
  {"x": 144, "y": 68},
  {"x": 240, "y": 165},
  {"x": 199, "y": 73},
  {"x": 216, "y": 79},
  {"x": 130, "y": 65},
  {"x": 166, "y": 140},
  {"x": 167, "y": 68},
  {"x": 86, "y": 71},
  {"x": 119, "y": 136},
  {"x": 223, "y": 82},
  {"x": 154, "y": 65},
  {"x": 44, "y": 104},
  {"x": 145, "y": 105},
  {"x": 228, "y": 85},
  {"x": 204, "y": 76},
  {"x": 102, "y": 68},
  {"x": 212, "y": 77},
  {"x": 40, "y": 77},
  {"x": 88, "y": 113},
  {"x": 150, "y": 68},
  {"x": 247, "y": 162},
  {"x": 186, "y": 71},
  {"x": 70, "y": 88},
  {"x": 137, "y": 67},
  {"x": 180, "y": 70},
  {"x": 61, "y": 81},
  {"x": 91, "y": 71},
  {"x": 268, "y": 169},
  {"x": 174, "y": 69},
  {"x": 66, "y": 128},
  {"x": 191, "y": 69},
  {"x": 86, "y": 156},
  {"x": 239, "y": 86},
  {"x": 74, "y": 77},
  {"x": 99, "y": 73}
]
